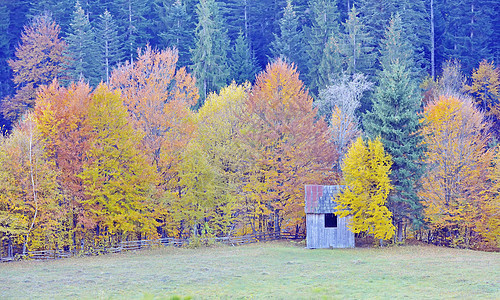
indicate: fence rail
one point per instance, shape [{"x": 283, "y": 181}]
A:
[{"x": 156, "y": 243}]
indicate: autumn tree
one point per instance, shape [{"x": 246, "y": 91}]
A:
[
  {"x": 158, "y": 96},
  {"x": 289, "y": 147},
  {"x": 117, "y": 179},
  {"x": 29, "y": 212},
  {"x": 366, "y": 171},
  {"x": 339, "y": 103},
  {"x": 39, "y": 59},
  {"x": 451, "y": 82},
  {"x": 215, "y": 163},
  {"x": 61, "y": 114},
  {"x": 457, "y": 163},
  {"x": 485, "y": 89},
  {"x": 489, "y": 225}
]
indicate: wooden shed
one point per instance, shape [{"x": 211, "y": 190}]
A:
[{"x": 324, "y": 228}]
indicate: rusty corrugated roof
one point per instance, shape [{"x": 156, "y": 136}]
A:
[{"x": 319, "y": 198}]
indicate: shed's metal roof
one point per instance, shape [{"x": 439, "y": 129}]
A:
[{"x": 319, "y": 198}]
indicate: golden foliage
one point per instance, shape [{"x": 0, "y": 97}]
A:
[
  {"x": 366, "y": 172},
  {"x": 457, "y": 162},
  {"x": 289, "y": 148}
]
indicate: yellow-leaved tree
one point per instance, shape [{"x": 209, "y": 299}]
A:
[
  {"x": 214, "y": 163},
  {"x": 458, "y": 159},
  {"x": 29, "y": 213},
  {"x": 489, "y": 225},
  {"x": 366, "y": 172},
  {"x": 116, "y": 176}
]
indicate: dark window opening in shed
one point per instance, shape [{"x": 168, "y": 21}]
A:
[{"x": 330, "y": 221}]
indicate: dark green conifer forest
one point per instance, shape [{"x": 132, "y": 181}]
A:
[{"x": 303, "y": 31}]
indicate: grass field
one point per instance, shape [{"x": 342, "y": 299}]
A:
[{"x": 277, "y": 270}]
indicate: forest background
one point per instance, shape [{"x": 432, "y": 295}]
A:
[{"x": 132, "y": 119}]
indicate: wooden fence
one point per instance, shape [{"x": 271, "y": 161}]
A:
[{"x": 156, "y": 243}]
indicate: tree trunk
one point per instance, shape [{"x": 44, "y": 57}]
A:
[
  {"x": 33, "y": 187},
  {"x": 400, "y": 231},
  {"x": 433, "y": 48},
  {"x": 9, "y": 247},
  {"x": 277, "y": 221}
]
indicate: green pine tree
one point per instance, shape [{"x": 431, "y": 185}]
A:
[
  {"x": 57, "y": 9},
  {"x": 394, "y": 117},
  {"x": 237, "y": 15},
  {"x": 83, "y": 49},
  {"x": 355, "y": 46},
  {"x": 109, "y": 44},
  {"x": 465, "y": 31},
  {"x": 289, "y": 43},
  {"x": 177, "y": 29},
  {"x": 415, "y": 23},
  {"x": 322, "y": 61},
  {"x": 5, "y": 53},
  {"x": 133, "y": 25},
  {"x": 375, "y": 15},
  {"x": 243, "y": 64},
  {"x": 395, "y": 47},
  {"x": 209, "y": 57}
]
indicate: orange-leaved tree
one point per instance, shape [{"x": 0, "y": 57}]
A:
[
  {"x": 458, "y": 158},
  {"x": 117, "y": 179},
  {"x": 39, "y": 59},
  {"x": 61, "y": 116},
  {"x": 290, "y": 147},
  {"x": 159, "y": 96}
]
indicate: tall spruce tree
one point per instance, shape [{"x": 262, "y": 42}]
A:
[
  {"x": 261, "y": 20},
  {"x": 324, "y": 17},
  {"x": 394, "y": 117},
  {"x": 5, "y": 82},
  {"x": 177, "y": 28},
  {"x": 109, "y": 44},
  {"x": 237, "y": 15},
  {"x": 59, "y": 11},
  {"x": 465, "y": 31},
  {"x": 209, "y": 57},
  {"x": 83, "y": 49},
  {"x": 132, "y": 24},
  {"x": 416, "y": 26},
  {"x": 376, "y": 14},
  {"x": 288, "y": 44},
  {"x": 242, "y": 63},
  {"x": 355, "y": 46}
]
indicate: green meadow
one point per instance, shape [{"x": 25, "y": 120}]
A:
[{"x": 277, "y": 270}]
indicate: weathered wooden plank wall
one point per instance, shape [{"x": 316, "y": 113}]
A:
[{"x": 320, "y": 237}]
